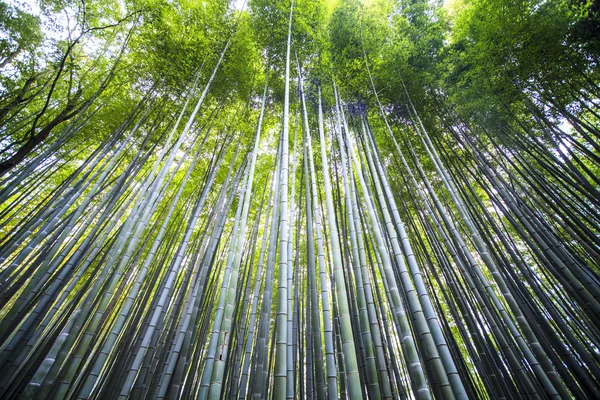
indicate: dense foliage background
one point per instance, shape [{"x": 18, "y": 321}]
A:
[{"x": 351, "y": 198}]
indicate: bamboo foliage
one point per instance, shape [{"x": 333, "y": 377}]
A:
[{"x": 199, "y": 251}]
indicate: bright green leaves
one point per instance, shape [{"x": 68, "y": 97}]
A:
[
  {"x": 20, "y": 33},
  {"x": 176, "y": 38},
  {"x": 270, "y": 29},
  {"x": 241, "y": 73},
  {"x": 346, "y": 46},
  {"x": 20, "y": 36},
  {"x": 498, "y": 46}
]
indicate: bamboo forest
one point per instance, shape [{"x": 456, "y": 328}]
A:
[{"x": 299, "y": 199}]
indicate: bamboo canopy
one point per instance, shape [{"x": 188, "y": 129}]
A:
[{"x": 335, "y": 227}]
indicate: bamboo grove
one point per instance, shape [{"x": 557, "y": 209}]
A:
[{"x": 314, "y": 222}]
